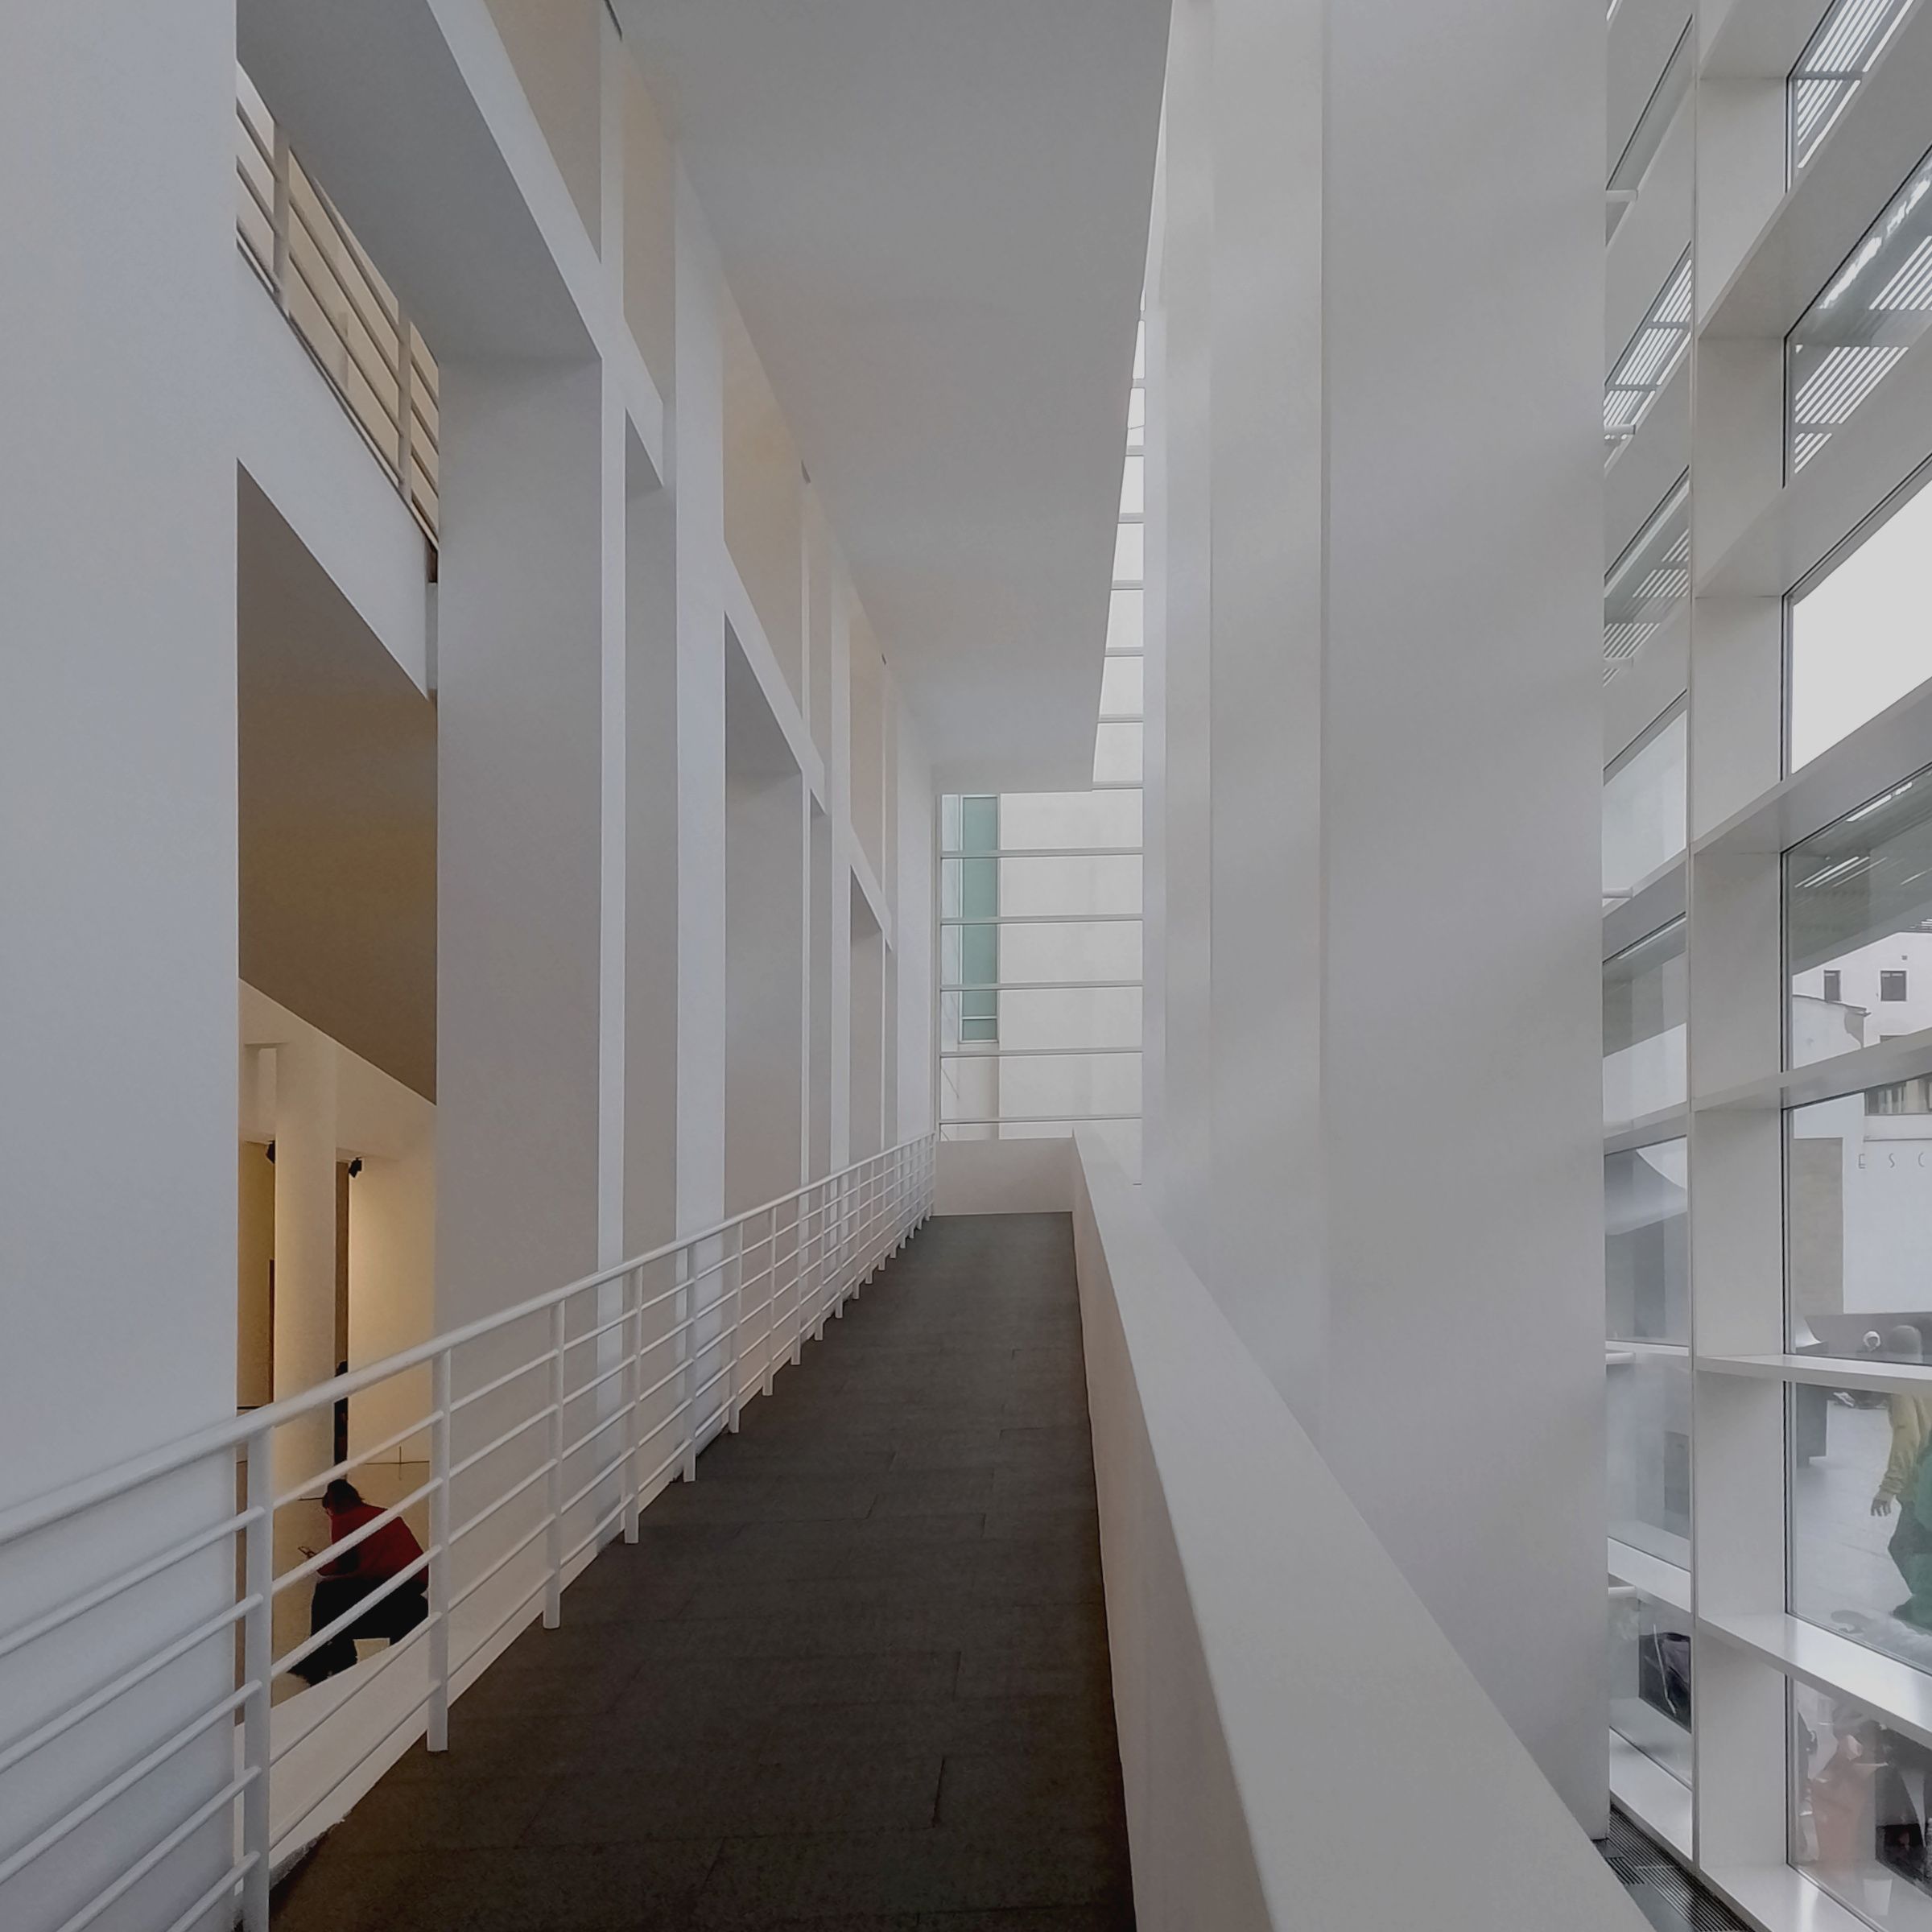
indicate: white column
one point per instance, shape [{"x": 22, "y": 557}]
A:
[
  {"x": 305, "y": 1245},
  {"x": 1375, "y": 829},
  {"x": 522, "y": 667},
  {"x": 118, "y": 883},
  {"x": 1461, "y": 746},
  {"x": 698, "y": 440},
  {"x": 118, "y": 843}
]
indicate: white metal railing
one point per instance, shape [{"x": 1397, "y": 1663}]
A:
[
  {"x": 345, "y": 314},
  {"x": 139, "y": 1608}
]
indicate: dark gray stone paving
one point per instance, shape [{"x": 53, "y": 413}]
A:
[{"x": 853, "y": 1679}]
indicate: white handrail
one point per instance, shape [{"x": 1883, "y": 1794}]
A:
[{"x": 589, "y": 1484}]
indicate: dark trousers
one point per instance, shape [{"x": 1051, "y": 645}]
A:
[{"x": 394, "y": 1617}]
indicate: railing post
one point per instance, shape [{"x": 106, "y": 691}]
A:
[
  {"x": 553, "y": 1541},
  {"x": 685, "y": 1307},
  {"x": 279, "y": 216},
  {"x": 771, "y": 1289},
  {"x": 633, "y": 1465},
  {"x": 737, "y": 1328},
  {"x": 438, "y": 1728},
  {"x": 258, "y": 1664}
]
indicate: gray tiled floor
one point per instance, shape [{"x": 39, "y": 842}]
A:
[{"x": 853, "y": 1679}]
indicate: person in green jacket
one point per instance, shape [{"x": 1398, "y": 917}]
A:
[{"x": 1908, "y": 1483}]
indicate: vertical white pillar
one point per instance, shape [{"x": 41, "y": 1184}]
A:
[
  {"x": 305, "y": 1245},
  {"x": 117, "y": 841},
  {"x": 521, "y": 827},
  {"x": 1461, "y": 712},
  {"x": 838, "y": 882},
  {"x": 698, "y": 482},
  {"x": 118, "y": 883}
]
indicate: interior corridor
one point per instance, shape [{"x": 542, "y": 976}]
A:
[{"x": 855, "y": 1678}]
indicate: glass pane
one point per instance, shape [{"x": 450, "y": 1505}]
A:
[
  {"x": 1650, "y": 582},
  {"x": 1133, "y": 487},
  {"x": 979, "y": 824},
  {"x": 1645, "y": 1249},
  {"x": 1858, "y": 924},
  {"x": 1645, "y": 999},
  {"x": 1648, "y": 1398},
  {"x": 1650, "y": 1682},
  {"x": 1858, "y": 1239},
  {"x": 1643, "y": 810},
  {"x": 1849, "y": 38},
  {"x": 1124, "y": 620},
  {"x": 1861, "y": 638},
  {"x": 1870, "y": 313},
  {"x": 1858, "y": 1810},
  {"x": 1129, "y": 553},
  {"x": 1861, "y": 1513}
]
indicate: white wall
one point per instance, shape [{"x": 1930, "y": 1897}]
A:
[
  {"x": 118, "y": 870},
  {"x": 913, "y": 933},
  {"x": 1005, "y": 1177},
  {"x": 1252, "y": 1619},
  {"x": 1381, "y": 632}
]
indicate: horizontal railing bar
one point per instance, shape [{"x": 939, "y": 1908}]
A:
[
  {"x": 358, "y": 1609},
  {"x": 503, "y": 1562},
  {"x": 107, "y": 1593},
  {"x": 359, "y": 1535},
  {"x": 584, "y": 1441},
  {"x": 597, "y": 1529},
  {"x": 596, "y": 1382},
  {"x": 132, "y": 1776},
  {"x": 206, "y": 1903},
  {"x": 82, "y": 1708},
  {"x": 509, "y": 1435},
  {"x": 182, "y": 1832},
  {"x": 24, "y": 1518},
  {"x": 603, "y": 1328},
  {"x": 349, "y": 1770},
  {"x": 502, "y": 1381},
  {"x": 302, "y": 1490},
  {"x": 368, "y": 1672},
  {"x": 602, "y": 1474},
  {"x": 509, "y": 1496}
]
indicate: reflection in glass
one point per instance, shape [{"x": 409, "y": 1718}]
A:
[
  {"x": 1644, "y": 808},
  {"x": 1861, "y": 1510},
  {"x": 1869, "y": 314},
  {"x": 1858, "y": 1810},
  {"x": 1646, "y": 1245},
  {"x": 1648, "y": 1399},
  {"x": 1644, "y": 1001},
  {"x": 1849, "y": 40},
  {"x": 1650, "y": 1682},
  {"x": 1858, "y": 927},
  {"x": 1861, "y": 636},
  {"x": 1649, "y": 583}
]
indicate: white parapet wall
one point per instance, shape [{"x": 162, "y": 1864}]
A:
[
  {"x": 1006, "y": 1177},
  {"x": 1288, "y": 1709}
]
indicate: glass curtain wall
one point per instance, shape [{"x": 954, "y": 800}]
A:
[
  {"x": 1040, "y": 909},
  {"x": 1768, "y": 1033}
]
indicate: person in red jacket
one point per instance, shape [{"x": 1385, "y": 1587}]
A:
[{"x": 344, "y": 1581}]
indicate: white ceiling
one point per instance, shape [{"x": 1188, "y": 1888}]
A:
[{"x": 933, "y": 215}]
